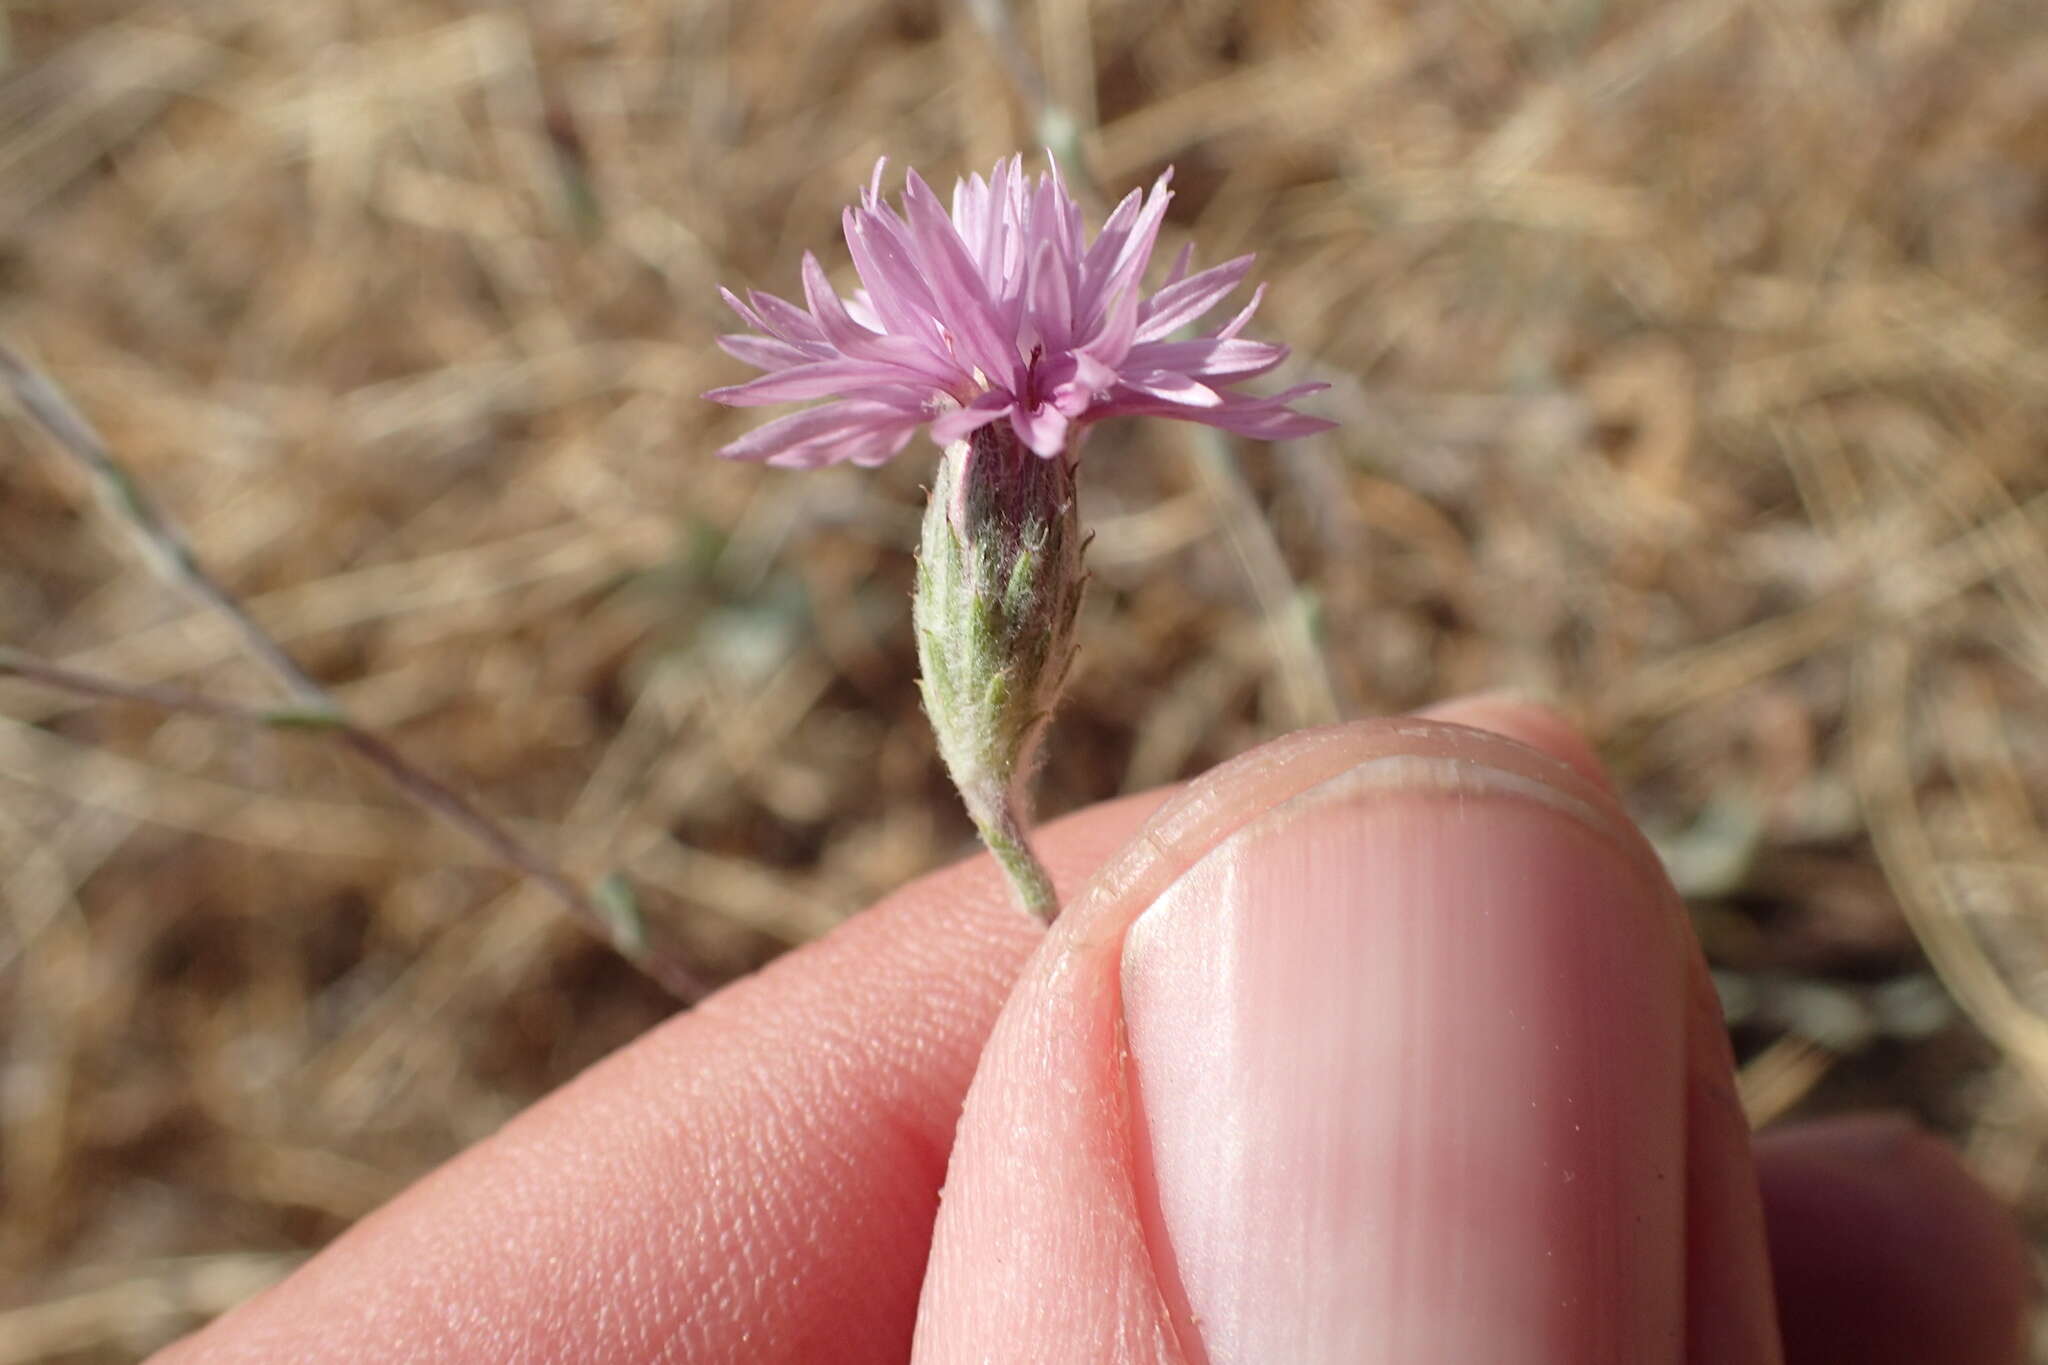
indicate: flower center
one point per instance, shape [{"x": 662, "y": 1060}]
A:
[{"x": 1030, "y": 396}]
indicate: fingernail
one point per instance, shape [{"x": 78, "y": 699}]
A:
[
  {"x": 1406, "y": 1065},
  {"x": 1536, "y": 723}
]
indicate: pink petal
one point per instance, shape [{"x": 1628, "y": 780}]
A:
[
  {"x": 860, "y": 306},
  {"x": 837, "y": 325},
  {"x": 1072, "y": 400},
  {"x": 1066, "y": 210},
  {"x": 1264, "y": 424},
  {"x": 879, "y": 445},
  {"x": 1179, "y": 304},
  {"x": 1092, "y": 374},
  {"x": 1101, "y": 257},
  {"x": 1018, "y": 208},
  {"x": 918, "y": 357},
  {"x": 1174, "y": 388},
  {"x": 1055, "y": 219},
  {"x": 781, "y": 319},
  {"x": 886, "y": 261},
  {"x": 1266, "y": 419},
  {"x": 1133, "y": 251},
  {"x": 823, "y": 435},
  {"x": 985, "y": 239},
  {"x": 1058, "y": 382},
  {"x": 1179, "y": 270},
  {"x": 970, "y": 208},
  {"x": 1111, "y": 341},
  {"x": 1051, "y": 306},
  {"x": 1244, "y": 315},
  {"x": 957, "y": 288},
  {"x": 961, "y": 423},
  {"x": 747, "y": 315},
  {"x": 1207, "y": 358},
  {"x": 818, "y": 379},
  {"x": 765, "y": 353},
  {"x": 1043, "y": 429}
]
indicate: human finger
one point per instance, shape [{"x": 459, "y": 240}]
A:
[
  {"x": 1374, "y": 1045},
  {"x": 1886, "y": 1252},
  {"x": 753, "y": 1181}
]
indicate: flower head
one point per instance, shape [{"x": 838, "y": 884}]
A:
[{"x": 998, "y": 311}]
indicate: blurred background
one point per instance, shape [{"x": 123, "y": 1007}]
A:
[{"x": 1692, "y": 359}]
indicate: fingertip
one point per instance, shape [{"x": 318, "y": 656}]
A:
[
  {"x": 1885, "y": 1250},
  {"x": 1537, "y": 724},
  {"x": 1399, "y": 1004},
  {"x": 1730, "y": 1317}
]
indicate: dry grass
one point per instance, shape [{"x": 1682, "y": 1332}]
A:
[{"x": 1692, "y": 361}]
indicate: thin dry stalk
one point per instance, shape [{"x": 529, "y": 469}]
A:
[{"x": 612, "y": 915}]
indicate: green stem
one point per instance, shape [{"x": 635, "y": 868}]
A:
[{"x": 1030, "y": 883}]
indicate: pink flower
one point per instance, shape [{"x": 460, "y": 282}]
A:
[{"x": 997, "y": 312}]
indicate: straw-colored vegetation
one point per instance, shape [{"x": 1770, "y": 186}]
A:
[{"x": 1693, "y": 360}]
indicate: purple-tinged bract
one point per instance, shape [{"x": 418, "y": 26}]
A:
[{"x": 997, "y": 311}]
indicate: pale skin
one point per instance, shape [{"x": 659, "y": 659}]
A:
[{"x": 1387, "y": 1042}]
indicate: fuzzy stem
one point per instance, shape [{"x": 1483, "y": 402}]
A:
[{"x": 1030, "y": 883}]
